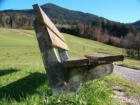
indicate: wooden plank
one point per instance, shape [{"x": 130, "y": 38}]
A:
[
  {"x": 56, "y": 42},
  {"x": 105, "y": 58},
  {"x": 56, "y": 38},
  {"x": 44, "y": 19},
  {"x": 76, "y": 61},
  {"x": 53, "y": 67},
  {"x": 84, "y": 61}
]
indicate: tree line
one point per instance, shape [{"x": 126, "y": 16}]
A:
[
  {"x": 108, "y": 32},
  {"x": 105, "y": 31},
  {"x": 14, "y": 20}
]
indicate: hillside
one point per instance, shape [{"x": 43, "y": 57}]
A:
[
  {"x": 137, "y": 24},
  {"x": 79, "y": 24},
  {"x": 62, "y": 17},
  {"x": 24, "y": 81},
  {"x": 59, "y": 14},
  {"x": 12, "y": 38}
]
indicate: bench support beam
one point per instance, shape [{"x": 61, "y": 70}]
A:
[
  {"x": 53, "y": 66},
  {"x": 81, "y": 75}
]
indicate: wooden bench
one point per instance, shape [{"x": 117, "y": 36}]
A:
[{"x": 65, "y": 74}]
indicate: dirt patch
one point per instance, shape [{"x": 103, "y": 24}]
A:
[{"x": 120, "y": 96}]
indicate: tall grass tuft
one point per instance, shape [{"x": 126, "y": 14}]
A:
[
  {"x": 95, "y": 93},
  {"x": 90, "y": 93}
]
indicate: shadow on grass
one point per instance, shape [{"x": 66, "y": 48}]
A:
[
  {"x": 7, "y": 71},
  {"x": 23, "y": 87}
]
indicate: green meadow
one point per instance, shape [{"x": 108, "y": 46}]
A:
[{"x": 23, "y": 79}]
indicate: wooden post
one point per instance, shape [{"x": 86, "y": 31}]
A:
[
  {"x": 54, "y": 68},
  {"x": 63, "y": 55}
]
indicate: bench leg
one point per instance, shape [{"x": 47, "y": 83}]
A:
[
  {"x": 81, "y": 75},
  {"x": 53, "y": 66}
]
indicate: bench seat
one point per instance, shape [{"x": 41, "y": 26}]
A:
[
  {"x": 105, "y": 57},
  {"x": 94, "y": 60},
  {"x": 76, "y": 61}
]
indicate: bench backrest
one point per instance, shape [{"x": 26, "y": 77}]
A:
[{"x": 51, "y": 34}]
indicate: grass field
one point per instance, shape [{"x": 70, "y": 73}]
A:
[{"x": 23, "y": 79}]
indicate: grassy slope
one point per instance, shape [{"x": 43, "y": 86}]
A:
[{"x": 21, "y": 65}]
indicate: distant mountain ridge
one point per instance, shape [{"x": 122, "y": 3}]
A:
[
  {"x": 137, "y": 24},
  {"x": 60, "y": 16},
  {"x": 54, "y": 11},
  {"x": 77, "y": 23},
  {"x": 59, "y": 13},
  {"x": 30, "y": 11},
  {"x": 62, "y": 13}
]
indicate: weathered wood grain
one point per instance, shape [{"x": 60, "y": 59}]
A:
[
  {"x": 53, "y": 67},
  {"x": 76, "y": 61},
  {"x": 101, "y": 58},
  {"x": 43, "y": 18},
  {"x": 56, "y": 38},
  {"x": 57, "y": 42}
]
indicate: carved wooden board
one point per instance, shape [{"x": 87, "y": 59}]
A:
[
  {"x": 57, "y": 39},
  {"x": 57, "y": 42},
  {"x": 76, "y": 61},
  {"x": 105, "y": 58}
]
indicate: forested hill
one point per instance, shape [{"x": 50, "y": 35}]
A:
[
  {"x": 137, "y": 24},
  {"x": 54, "y": 11},
  {"x": 74, "y": 22},
  {"x": 58, "y": 14}
]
